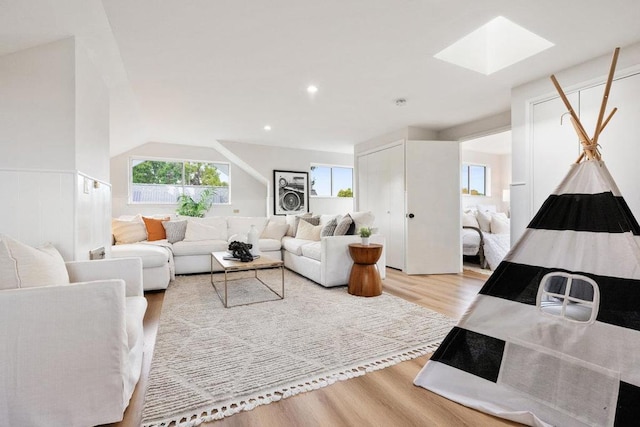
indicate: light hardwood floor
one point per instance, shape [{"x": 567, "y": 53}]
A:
[{"x": 381, "y": 398}]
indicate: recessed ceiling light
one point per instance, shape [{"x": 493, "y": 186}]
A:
[
  {"x": 312, "y": 89},
  {"x": 267, "y": 128},
  {"x": 494, "y": 46}
]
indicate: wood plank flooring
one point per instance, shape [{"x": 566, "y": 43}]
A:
[{"x": 382, "y": 398}]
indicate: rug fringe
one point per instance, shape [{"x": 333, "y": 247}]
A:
[{"x": 231, "y": 408}]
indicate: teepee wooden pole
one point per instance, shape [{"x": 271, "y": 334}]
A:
[
  {"x": 582, "y": 133},
  {"x": 605, "y": 97},
  {"x": 606, "y": 122}
]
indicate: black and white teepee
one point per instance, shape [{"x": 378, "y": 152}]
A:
[{"x": 553, "y": 338}]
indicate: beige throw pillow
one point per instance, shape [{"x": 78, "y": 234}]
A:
[
  {"x": 33, "y": 266},
  {"x": 129, "y": 231},
  {"x": 293, "y": 220},
  {"x": 308, "y": 231}
]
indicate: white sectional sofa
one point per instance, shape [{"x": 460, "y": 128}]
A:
[{"x": 325, "y": 260}]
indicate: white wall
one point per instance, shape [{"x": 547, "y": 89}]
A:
[
  {"x": 91, "y": 119},
  {"x": 500, "y": 178},
  {"x": 54, "y": 121},
  {"x": 248, "y": 194},
  {"x": 571, "y": 79},
  {"x": 37, "y": 107}
]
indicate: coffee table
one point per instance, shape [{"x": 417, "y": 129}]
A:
[{"x": 229, "y": 266}]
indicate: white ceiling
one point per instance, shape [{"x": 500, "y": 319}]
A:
[{"x": 201, "y": 70}]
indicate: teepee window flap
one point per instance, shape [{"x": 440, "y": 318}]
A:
[{"x": 569, "y": 296}]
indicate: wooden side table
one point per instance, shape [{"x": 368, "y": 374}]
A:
[{"x": 365, "y": 280}]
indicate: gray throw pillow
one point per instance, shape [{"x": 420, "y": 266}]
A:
[
  {"x": 313, "y": 220},
  {"x": 175, "y": 230},
  {"x": 329, "y": 228},
  {"x": 343, "y": 226}
]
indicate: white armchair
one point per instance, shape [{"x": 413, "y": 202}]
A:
[{"x": 71, "y": 355}]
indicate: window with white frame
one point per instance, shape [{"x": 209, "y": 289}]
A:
[
  {"x": 569, "y": 296},
  {"x": 161, "y": 181},
  {"x": 331, "y": 181},
  {"x": 473, "y": 180}
]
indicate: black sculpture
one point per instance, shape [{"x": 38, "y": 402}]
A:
[{"x": 241, "y": 251}]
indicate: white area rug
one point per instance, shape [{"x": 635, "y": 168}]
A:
[{"x": 211, "y": 362}]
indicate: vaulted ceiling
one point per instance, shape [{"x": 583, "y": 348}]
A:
[{"x": 195, "y": 71}]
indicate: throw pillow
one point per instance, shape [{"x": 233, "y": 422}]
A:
[
  {"x": 342, "y": 228},
  {"x": 198, "y": 231},
  {"x": 307, "y": 231},
  {"x": 155, "y": 230},
  {"x": 274, "y": 231},
  {"x": 362, "y": 219},
  {"x": 33, "y": 266},
  {"x": 175, "y": 230},
  {"x": 329, "y": 228},
  {"x": 500, "y": 224},
  {"x": 293, "y": 220},
  {"x": 484, "y": 220},
  {"x": 128, "y": 231},
  {"x": 313, "y": 220}
]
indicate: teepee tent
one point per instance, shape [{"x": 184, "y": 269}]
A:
[{"x": 553, "y": 338}]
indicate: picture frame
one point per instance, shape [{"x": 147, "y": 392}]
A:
[{"x": 290, "y": 192}]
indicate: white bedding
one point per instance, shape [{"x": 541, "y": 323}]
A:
[{"x": 496, "y": 247}]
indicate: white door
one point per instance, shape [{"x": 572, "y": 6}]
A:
[
  {"x": 381, "y": 191},
  {"x": 433, "y": 225}
]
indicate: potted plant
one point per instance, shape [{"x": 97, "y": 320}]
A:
[
  {"x": 189, "y": 207},
  {"x": 365, "y": 233}
]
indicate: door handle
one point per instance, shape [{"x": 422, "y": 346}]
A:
[{"x": 410, "y": 215}]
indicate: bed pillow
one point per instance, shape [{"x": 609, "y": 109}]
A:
[
  {"x": 24, "y": 266},
  {"x": 128, "y": 231},
  {"x": 484, "y": 220},
  {"x": 469, "y": 220},
  {"x": 500, "y": 224},
  {"x": 307, "y": 231}
]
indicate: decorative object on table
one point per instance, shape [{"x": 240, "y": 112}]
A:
[
  {"x": 187, "y": 206},
  {"x": 365, "y": 233},
  {"x": 253, "y": 240},
  {"x": 241, "y": 251},
  {"x": 364, "y": 279},
  {"x": 266, "y": 352},
  {"x": 291, "y": 192}
]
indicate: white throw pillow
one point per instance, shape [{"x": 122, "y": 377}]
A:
[
  {"x": 196, "y": 230},
  {"x": 33, "y": 267},
  {"x": 469, "y": 220},
  {"x": 129, "y": 231},
  {"x": 308, "y": 231},
  {"x": 500, "y": 224},
  {"x": 362, "y": 219},
  {"x": 274, "y": 231},
  {"x": 484, "y": 219}
]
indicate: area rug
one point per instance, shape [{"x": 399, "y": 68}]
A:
[{"x": 211, "y": 362}]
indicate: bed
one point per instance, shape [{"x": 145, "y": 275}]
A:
[{"x": 485, "y": 235}]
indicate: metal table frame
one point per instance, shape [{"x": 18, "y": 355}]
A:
[{"x": 229, "y": 266}]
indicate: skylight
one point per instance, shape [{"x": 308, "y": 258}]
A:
[{"x": 494, "y": 46}]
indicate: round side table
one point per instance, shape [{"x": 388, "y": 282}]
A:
[{"x": 365, "y": 280}]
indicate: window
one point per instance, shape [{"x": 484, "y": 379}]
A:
[
  {"x": 331, "y": 181},
  {"x": 473, "y": 180},
  {"x": 570, "y": 296},
  {"x": 162, "y": 181}
]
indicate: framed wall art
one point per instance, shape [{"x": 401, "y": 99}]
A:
[{"x": 291, "y": 192}]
